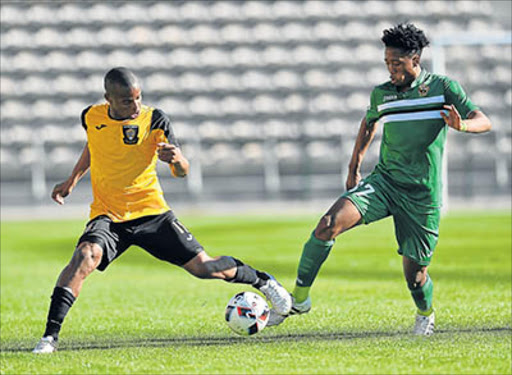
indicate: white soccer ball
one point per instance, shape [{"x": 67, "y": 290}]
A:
[{"x": 247, "y": 313}]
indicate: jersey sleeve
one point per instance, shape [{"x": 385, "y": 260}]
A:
[
  {"x": 372, "y": 114},
  {"x": 82, "y": 117},
  {"x": 159, "y": 120},
  {"x": 455, "y": 94}
]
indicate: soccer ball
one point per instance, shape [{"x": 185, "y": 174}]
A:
[{"x": 247, "y": 313}]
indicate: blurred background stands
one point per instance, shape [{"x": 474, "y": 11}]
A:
[{"x": 265, "y": 96}]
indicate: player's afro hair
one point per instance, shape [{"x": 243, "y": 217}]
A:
[{"x": 406, "y": 37}]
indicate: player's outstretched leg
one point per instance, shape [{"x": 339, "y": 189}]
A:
[
  {"x": 342, "y": 216},
  {"x": 422, "y": 290},
  {"x": 86, "y": 259},
  {"x": 235, "y": 271}
]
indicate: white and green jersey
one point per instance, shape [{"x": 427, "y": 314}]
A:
[{"x": 414, "y": 133}]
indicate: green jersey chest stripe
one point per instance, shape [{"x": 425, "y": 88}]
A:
[
  {"x": 426, "y": 107},
  {"x": 412, "y": 116},
  {"x": 411, "y": 102}
]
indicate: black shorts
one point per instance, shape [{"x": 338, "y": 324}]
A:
[{"x": 163, "y": 236}]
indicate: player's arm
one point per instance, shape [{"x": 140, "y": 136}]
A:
[
  {"x": 476, "y": 122},
  {"x": 363, "y": 140},
  {"x": 172, "y": 155},
  {"x": 62, "y": 190}
]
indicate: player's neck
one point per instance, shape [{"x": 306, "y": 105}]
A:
[{"x": 414, "y": 77}]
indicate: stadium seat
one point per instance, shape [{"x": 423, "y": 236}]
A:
[
  {"x": 317, "y": 78},
  {"x": 174, "y": 106},
  {"x": 246, "y": 130},
  {"x": 205, "y": 34},
  {"x": 112, "y": 36},
  {"x": 288, "y": 150},
  {"x": 296, "y": 32},
  {"x": 195, "y": 10},
  {"x": 233, "y": 105},
  {"x": 246, "y": 56},
  {"x": 326, "y": 103},
  {"x": 256, "y": 80},
  {"x": 56, "y": 61},
  {"x": 221, "y": 80},
  {"x": 317, "y": 9},
  {"x": 16, "y": 38},
  {"x": 204, "y": 106},
  {"x": 11, "y": 14},
  {"x": 8, "y": 86},
  {"x": 267, "y": 104},
  {"x": 253, "y": 152},
  {"x": 39, "y": 14},
  {"x": 164, "y": 11},
  {"x": 304, "y": 54},
  {"x": 295, "y": 103},
  {"x": 225, "y": 10},
  {"x": 48, "y": 37},
  {"x": 328, "y": 31},
  {"x": 236, "y": 33},
  {"x": 286, "y": 79},
  {"x": 82, "y": 37},
  {"x": 266, "y": 32},
  {"x": 256, "y": 10},
  {"x": 214, "y": 57},
  {"x": 14, "y": 109}
]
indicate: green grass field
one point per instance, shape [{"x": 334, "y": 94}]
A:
[{"x": 147, "y": 317}]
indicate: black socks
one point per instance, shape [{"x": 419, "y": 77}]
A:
[{"x": 62, "y": 300}]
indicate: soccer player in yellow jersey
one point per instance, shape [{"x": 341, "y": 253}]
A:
[{"x": 125, "y": 139}]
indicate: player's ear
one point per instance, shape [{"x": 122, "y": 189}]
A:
[{"x": 416, "y": 60}]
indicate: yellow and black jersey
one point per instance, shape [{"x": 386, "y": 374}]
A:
[{"x": 123, "y": 162}]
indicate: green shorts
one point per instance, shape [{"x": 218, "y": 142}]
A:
[{"x": 416, "y": 226}]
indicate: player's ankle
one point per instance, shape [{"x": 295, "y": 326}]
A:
[{"x": 301, "y": 293}]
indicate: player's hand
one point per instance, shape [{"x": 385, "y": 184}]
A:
[
  {"x": 169, "y": 153},
  {"x": 61, "y": 191},
  {"x": 453, "y": 119},
  {"x": 353, "y": 179}
]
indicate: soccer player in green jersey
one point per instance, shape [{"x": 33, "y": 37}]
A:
[{"x": 415, "y": 109}]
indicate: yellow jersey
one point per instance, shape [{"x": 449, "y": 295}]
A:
[{"x": 123, "y": 162}]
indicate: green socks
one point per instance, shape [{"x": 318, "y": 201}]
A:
[
  {"x": 315, "y": 252},
  {"x": 423, "y": 296}
]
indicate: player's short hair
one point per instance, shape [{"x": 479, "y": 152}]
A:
[
  {"x": 405, "y": 37},
  {"x": 120, "y": 76}
]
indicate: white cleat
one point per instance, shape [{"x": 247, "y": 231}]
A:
[
  {"x": 277, "y": 295},
  {"x": 297, "y": 308},
  {"x": 45, "y": 345},
  {"x": 424, "y": 324}
]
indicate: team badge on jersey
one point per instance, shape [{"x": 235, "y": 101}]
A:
[
  {"x": 423, "y": 89},
  {"x": 131, "y": 134}
]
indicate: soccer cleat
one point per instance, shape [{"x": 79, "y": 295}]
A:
[
  {"x": 297, "y": 308},
  {"x": 277, "y": 295},
  {"x": 424, "y": 324},
  {"x": 45, "y": 345}
]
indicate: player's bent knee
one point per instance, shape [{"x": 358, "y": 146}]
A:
[
  {"x": 87, "y": 258},
  {"x": 327, "y": 229}
]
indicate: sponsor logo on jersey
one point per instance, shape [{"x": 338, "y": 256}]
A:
[
  {"x": 387, "y": 98},
  {"x": 99, "y": 127},
  {"x": 131, "y": 134}
]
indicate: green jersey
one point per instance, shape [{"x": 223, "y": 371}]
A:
[{"x": 414, "y": 133}]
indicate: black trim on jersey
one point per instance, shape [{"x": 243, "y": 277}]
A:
[
  {"x": 84, "y": 112},
  {"x": 402, "y": 110},
  {"x": 159, "y": 120}
]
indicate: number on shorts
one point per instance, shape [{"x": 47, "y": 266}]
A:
[{"x": 368, "y": 189}]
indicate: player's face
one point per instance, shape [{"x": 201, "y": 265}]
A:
[
  {"x": 125, "y": 103},
  {"x": 401, "y": 67}
]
